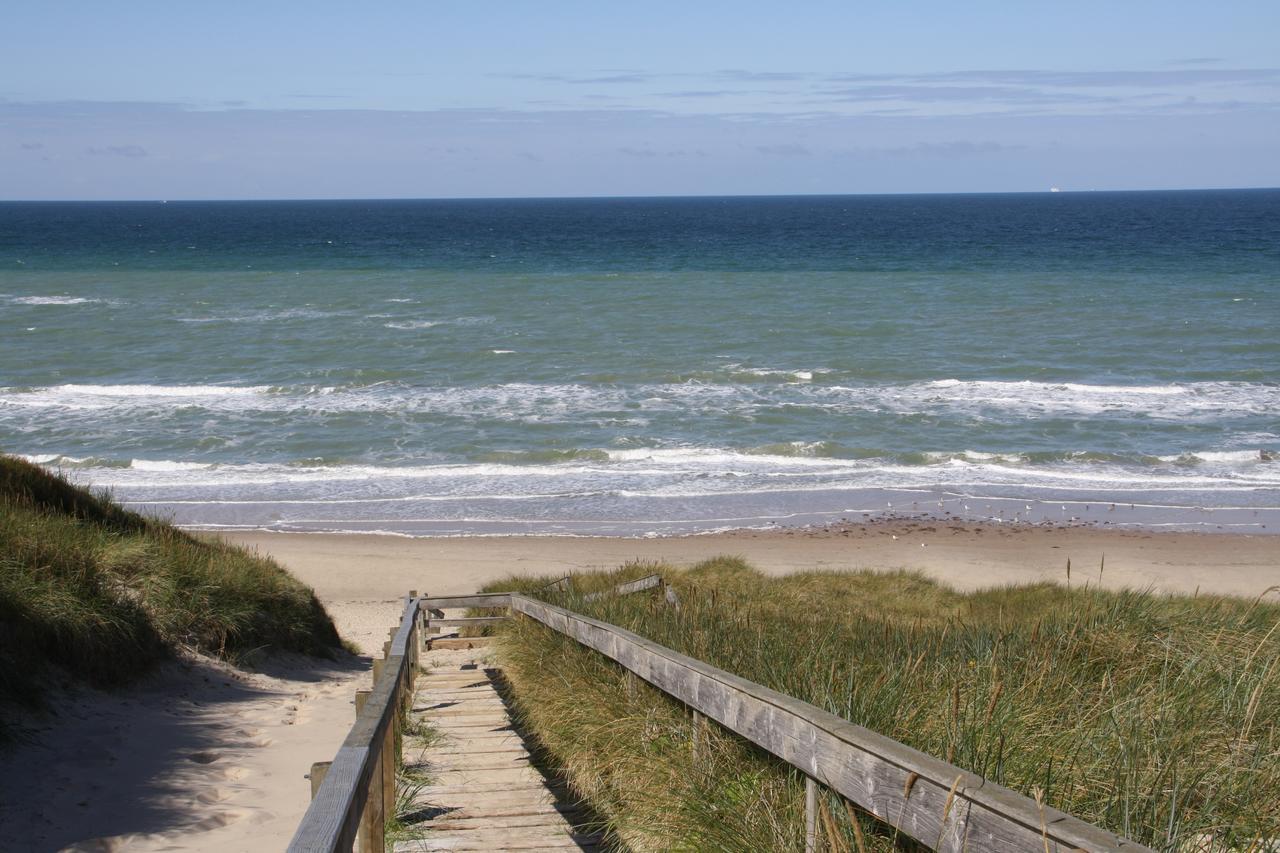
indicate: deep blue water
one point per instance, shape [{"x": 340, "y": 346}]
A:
[{"x": 639, "y": 365}]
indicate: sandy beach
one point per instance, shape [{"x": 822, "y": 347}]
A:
[
  {"x": 203, "y": 757},
  {"x": 355, "y": 573}
]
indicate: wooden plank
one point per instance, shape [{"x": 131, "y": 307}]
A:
[
  {"x": 318, "y": 772},
  {"x": 936, "y": 803},
  {"x": 647, "y": 582},
  {"x": 459, "y": 642},
  {"x": 463, "y": 621},
  {"x": 480, "y": 599}
]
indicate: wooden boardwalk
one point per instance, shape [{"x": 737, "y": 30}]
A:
[{"x": 480, "y": 789}]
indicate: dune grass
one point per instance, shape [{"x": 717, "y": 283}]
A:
[
  {"x": 104, "y": 594},
  {"x": 1157, "y": 717}
]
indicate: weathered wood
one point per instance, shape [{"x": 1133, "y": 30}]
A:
[
  {"x": 388, "y": 776},
  {"x": 936, "y": 803},
  {"x": 318, "y": 771},
  {"x": 352, "y": 789},
  {"x": 810, "y": 815},
  {"x": 459, "y": 642},
  {"x": 647, "y": 582},
  {"x": 480, "y": 599},
  {"x": 463, "y": 621},
  {"x": 373, "y": 826},
  {"x": 362, "y": 696}
]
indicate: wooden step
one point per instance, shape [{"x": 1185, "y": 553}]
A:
[{"x": 531, "y": 838}]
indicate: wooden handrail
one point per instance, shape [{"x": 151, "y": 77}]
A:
[
  {"x": 936, "y": 803},
  {"x": 359, "y": 785}
]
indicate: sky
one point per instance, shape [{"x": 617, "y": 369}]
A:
[{"x": 148, "y": 100}]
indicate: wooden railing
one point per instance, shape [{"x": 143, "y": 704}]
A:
[
  {"x": 353, "y": 795},
  {"x": 938, "y": 804}
]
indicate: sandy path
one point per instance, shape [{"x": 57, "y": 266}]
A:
[{"x": 200, "y": 756}]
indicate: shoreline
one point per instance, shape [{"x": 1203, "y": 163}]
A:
[{"x": 353, "y": 569}]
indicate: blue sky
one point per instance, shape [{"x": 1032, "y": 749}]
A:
[{"x": 327, "y": 100}]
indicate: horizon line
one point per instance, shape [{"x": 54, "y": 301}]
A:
[{"x": 1049, "y": 191}]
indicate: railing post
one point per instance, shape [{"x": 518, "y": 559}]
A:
[
  {"x": 372, "y": 837},
  {"x": 810, "y": 815},
  {"x": 389, "y": 767},
  {"x": 318, "y": 772},
  {"x": 362, "y": 696}
]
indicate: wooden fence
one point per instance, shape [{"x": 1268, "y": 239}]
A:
[
  {"x": 936, "y": 803},
  {"x": 353, "y": 795}
]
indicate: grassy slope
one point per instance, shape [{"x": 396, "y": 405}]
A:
[
  {"x": 1157, "y": 717},
  {"x": 105, "y": 593}
]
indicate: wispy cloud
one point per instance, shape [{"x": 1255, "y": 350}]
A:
[
  {"x": 118, "y": 151},
  {"x": 701, "y": 93},
  {"x": 784, "y": 149},
  {"x": 597, "y": 78},
  {"x": 954, "y": 94}
]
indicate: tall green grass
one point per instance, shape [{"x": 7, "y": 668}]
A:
[
  {"x": 1157, "y": 717},
  {"x": 104, "y": 594}
]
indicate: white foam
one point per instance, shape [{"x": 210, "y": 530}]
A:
[
  {"x": 76, "y": 397},
  {"x": 635, "y": 404},
  {"x": 413, "y": 324},
  {"x": 1228, "y": 457},
  {"x": 55, "y": 300},
  {"x": 769, "y": 372},
  {"x": 270, "y": 315},
  {"x": 166, "y": 465},
  {"x": 1194, "y": 399}
]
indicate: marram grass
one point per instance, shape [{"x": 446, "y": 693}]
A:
[
  {"x": 103, "y": 594},
  {"x": 1157, "y": 717}
]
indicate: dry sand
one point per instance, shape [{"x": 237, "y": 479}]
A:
[
  {"x": 365, "y": 571},
  {"x": 203, "y": 757}
]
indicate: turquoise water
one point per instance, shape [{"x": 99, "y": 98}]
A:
[{"x": 652, "y": 366}]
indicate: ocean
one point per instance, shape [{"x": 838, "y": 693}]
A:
[{"x": 653, "y": 366}]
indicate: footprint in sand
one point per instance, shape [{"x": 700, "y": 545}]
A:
[
  {"x": 204, "y": 757},
  {"x": 214, "y": 795},
  {"x": 234, "y": 774},
  {"x": 216, "y": 821}
]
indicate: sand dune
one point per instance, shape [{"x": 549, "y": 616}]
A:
[{"x": 205, "y": 757}]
